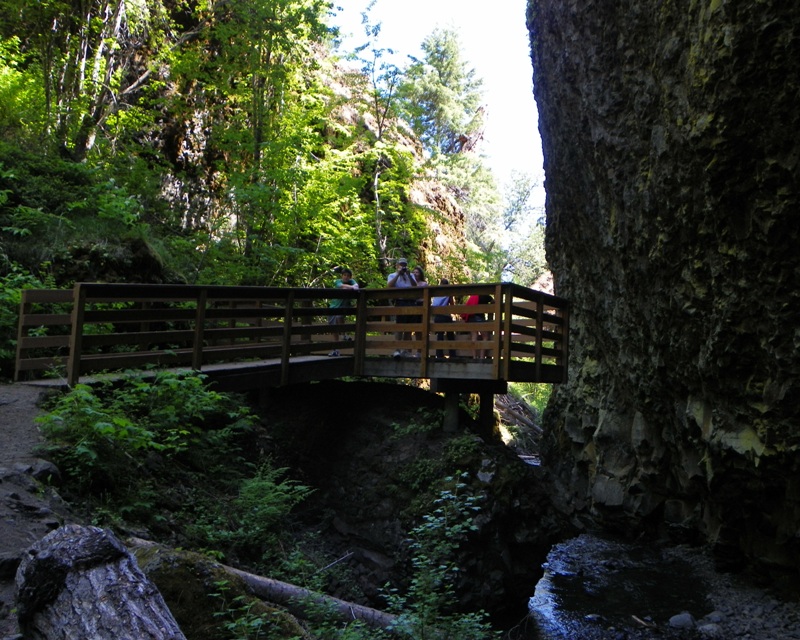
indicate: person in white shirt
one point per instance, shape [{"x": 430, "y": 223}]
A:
[{"x": 402, "y": 278}]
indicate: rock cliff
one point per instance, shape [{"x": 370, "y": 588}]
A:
[{"x": 671, "y": 160}]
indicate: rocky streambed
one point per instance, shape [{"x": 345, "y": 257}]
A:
[{"x": 600, "y": 589}]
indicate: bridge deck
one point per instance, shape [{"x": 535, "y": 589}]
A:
[{"x": 260, "y": 337}]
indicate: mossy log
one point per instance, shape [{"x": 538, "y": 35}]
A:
[
  {"x": 299, "y": 601},
  {"x": 81, "y": 582}
]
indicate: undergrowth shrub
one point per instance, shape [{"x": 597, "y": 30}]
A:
[
  {"x": 106, "y": 438},
  {"x": 426, "y": 608},
  {"x": 253, "y": 520}
]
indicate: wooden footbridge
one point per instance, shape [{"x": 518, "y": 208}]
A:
[{"x": 260, "y": 337}]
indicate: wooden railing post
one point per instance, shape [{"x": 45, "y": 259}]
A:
[
  {"x": 508, "y": 322},
  {"x": 360, "y": 337},
  {"x": 426, "y": 332},
  {"x": 22, "y": 330},
  {"x": 76, "y": 335},
  {"x": 199, "y": 329},
  {"x": 286, "y": 348},
  {"x": 539, "y": 337},
  {"x": 497, "y": 332}
]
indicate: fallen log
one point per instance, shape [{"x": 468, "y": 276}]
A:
[
  {"x": 518, "y": 412},
  {"x": 298, "y": 601},
  {"x": 81, "y": 582},
  {"x": 301, "y": 602}
]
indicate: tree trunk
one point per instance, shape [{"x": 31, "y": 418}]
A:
[
  {"x": 302, "y": 602},
  {"x": 299, "y": 601},
  {"x": 81, "y": 582}
]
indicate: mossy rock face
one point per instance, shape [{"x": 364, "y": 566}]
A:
[
  {"x": 199, "y": 592},
  {"x": 672, "y": 201}
]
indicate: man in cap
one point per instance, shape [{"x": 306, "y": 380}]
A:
[{"x": 402, "y": 278}]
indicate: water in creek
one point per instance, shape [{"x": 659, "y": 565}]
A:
[{"x": 595, "y": 589}]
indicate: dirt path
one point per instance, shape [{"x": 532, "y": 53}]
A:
[
  {"x": 18, "y": 407},
  {"x": 27, "y": 512}
]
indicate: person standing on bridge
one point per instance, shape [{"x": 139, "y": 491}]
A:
[
  {"x": 440, "y": 316},
  {"x": 402, "y": 278},
  {"x": 478, "y": 336},
  {"x": 345, "y": 282}
]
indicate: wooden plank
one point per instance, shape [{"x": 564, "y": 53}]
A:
[
  {"x": 44, "y": 319},
  {"x": 507, "y": 336},
  {"x": 135, "y": 316},
  {"x": 42, "y": 342},
  {"x": 41, "y": 364},
  {"x": 246, "y": 333},
  {"x": 199, "y": 329},
  {"x": 244, "y": 314},
  {"x": 22, "y": 332},
  {"x": 426, "y": 334},
  {"x": 134, "y": 359},
  {"x": 47, "y": 296},
  {"x": 140, "y": 338}
]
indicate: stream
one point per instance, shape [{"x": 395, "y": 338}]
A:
[{"x": 600, "y": 589}]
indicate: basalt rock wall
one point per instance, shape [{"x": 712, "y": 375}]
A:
[{"x": 670, "y": 134}]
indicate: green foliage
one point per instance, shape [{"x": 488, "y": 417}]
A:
[
  {"x": 425, "y": 608},
  {"x": 51, "y": 206},
  {"x": 255, "y": 518},
  {"x": 441, "y": 96},
  {"x": 426, "y": 421},
  {"x": 536, "y": 394},
  {"x": 330, "y": 629},
  {"x": 101, "y": 439},
  {"x": 50, "y": 185},
  {"x": 89, "y": 440},
  {"x": 11, "y": 286},
  {"x": 112, "y": 202},
  {"x": 21, "y": 95},
  {"x": 524, "y": 260},
  {"x": 461, "y": 450},
  {"x": 213, "y": 134},
  {"x": 247, "y": 618}
]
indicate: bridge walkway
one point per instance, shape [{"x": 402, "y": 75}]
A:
[{"x": 260, "y": 337}]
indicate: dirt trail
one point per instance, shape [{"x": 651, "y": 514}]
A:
[{"x": 27, "y": 512}]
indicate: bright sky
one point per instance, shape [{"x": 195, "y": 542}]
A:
[{"x": 494, "y": 41}]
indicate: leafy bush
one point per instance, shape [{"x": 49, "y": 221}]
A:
[
  {"x": 254, "y": 519},
  {"x": 425, "y": 609},
  {"x": 101, "y": 438},
  {"x": 535, "y": 394}
]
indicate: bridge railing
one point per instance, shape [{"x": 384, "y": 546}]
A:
[{"x": 105, "y": 327}]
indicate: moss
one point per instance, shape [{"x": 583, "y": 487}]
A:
[{"x": 191, "y": 585}]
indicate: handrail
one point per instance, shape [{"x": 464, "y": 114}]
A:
[{"x": 102, "y": 327}]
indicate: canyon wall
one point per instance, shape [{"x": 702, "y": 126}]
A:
[{"x": 670, "y": 135}]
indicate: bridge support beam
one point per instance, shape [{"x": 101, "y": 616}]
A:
[
  {"x": 453, "y": 388},
  {"x": 452, "y": 405},
  {"x": 486, "y": 415}
]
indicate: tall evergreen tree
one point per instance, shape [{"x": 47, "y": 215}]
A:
[{"x": 442, "y": 96}]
